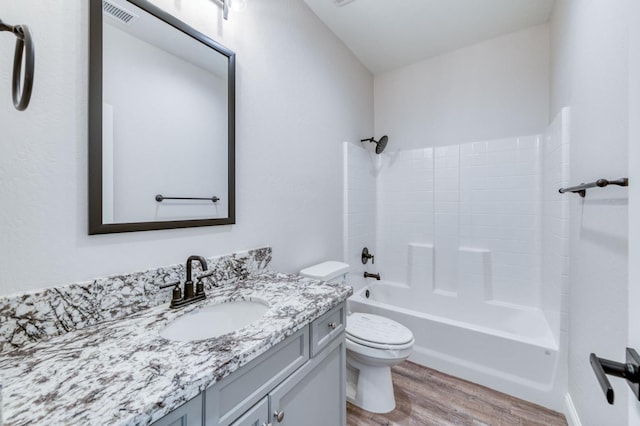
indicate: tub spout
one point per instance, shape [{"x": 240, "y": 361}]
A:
[{"x": 368, "y": 275}]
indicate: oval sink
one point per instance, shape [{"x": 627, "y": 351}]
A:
[{"x": 215, "y": 320}]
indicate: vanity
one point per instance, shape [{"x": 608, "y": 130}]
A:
[
  {"x": 300, "y": 381},
  {"x": 287, "y": 367}
]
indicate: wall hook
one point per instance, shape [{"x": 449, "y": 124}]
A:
[{"x": 24, "y": 46}]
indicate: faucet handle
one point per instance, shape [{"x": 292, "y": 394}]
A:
[
  {"x": 200, "y": 284},
  {"x": 207, "y": 275},
  {"x": 365, "y": 256},
  {"x": 177, "y": 293},
  {"x": 173, "y": 284}
]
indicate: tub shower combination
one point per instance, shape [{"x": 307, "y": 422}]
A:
[
  {"x": 502, "y": 347},
  {"x": 470, "y": 244}
]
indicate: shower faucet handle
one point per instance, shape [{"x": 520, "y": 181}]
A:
[{"x": 366, "y": 256}]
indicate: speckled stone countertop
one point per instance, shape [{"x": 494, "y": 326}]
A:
[{"x": 122, "y": 372}]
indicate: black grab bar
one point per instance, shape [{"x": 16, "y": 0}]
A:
[{"x": 24, "y": 46}]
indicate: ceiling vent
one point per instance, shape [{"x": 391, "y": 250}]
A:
[
  {"x": 118, "y": 12},
  {"x": 341, "y": 3}
]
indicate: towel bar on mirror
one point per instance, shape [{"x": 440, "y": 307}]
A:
[{"x": 160, "y": 198}]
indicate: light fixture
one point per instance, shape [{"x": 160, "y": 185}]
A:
[
  {"x": 235, "y": 5},
  {"x": 238, "y": 5},
  {"x": 225, "y": 7}
]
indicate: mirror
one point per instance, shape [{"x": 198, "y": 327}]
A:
[{"x": 161, "y": 122}]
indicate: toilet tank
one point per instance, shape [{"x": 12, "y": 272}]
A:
[{"x": 326, "y": 271}]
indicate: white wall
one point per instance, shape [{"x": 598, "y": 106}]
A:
[
  {"x": 589, "y": 73},
  {"x": 634, "y": 196},
  {"x": 300, "y": 93},
  {"x": 491, "y": 90}
]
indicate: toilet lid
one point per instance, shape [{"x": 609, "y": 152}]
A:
[{"x": 376, "y": 329}]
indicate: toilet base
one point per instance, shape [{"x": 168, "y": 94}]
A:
[{"x": 373, "y": 387}]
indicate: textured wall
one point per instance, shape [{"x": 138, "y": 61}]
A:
[
  {"x": 300, "y": 94},
  {"x": 590, "y": 49},
  {"x": 490, "y": 90}
]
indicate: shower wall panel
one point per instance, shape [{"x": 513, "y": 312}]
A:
[
  {"x": 477, "y": 204},
  {"x": 405, "y": 191},
  {"x": 360, "y": 169},
  {"x": 555, "y": 224},
  {"x": 499, "y": 213}
]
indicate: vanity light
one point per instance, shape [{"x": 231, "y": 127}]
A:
[
  {"x": 235, "y": 5},
  {"x": 225, "y": 8},
  {"x": 238, "y": 5}
]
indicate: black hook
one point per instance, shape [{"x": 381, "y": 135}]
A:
[{"x": 24, "y": 46}]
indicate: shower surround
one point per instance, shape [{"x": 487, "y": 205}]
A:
[{"x": 471, "y": 244}]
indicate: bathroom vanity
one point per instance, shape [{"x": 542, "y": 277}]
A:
[
  {"x": 104, "y": 361},
  {"x": 300, "y": 381}
]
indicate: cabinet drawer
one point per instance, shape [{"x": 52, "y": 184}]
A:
[
  {"x": 327, "y": 327},
  {"x": 227, "y": 400}
]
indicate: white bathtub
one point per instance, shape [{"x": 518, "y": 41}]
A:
[{"x": 504, "y": 347}]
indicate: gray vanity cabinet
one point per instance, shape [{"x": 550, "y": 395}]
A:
[
  {"x": 298, "y": 382},
  {"x": 315, "y": 394},
  {"x": 228, "y": 399},
  {"x": 188, "y": 414}
]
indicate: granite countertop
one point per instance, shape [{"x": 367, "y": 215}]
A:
[{"x": 123, "y": 373}]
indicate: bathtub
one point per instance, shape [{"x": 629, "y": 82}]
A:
[{"x": 504, "y": 347}]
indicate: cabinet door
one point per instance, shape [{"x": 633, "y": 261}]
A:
[
  {"x": 188, "y": 414},
  {"x": 315, "y": 394},
  {"x": 258, "y": 415},
  {"x": 228, "y": 399}
]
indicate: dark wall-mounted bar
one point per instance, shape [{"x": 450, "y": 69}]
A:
[
  {"x": 160, "y": 198},
  {"x": 600, "y": 183}
]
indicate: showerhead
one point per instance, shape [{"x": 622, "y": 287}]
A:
[{"x": 380, "y": 145}]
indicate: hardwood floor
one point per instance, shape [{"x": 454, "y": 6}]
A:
[{"x": 426, "y": 397}]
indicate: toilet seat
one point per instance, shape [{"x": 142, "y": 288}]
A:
[
  {"x": 380, "y": 345},
  {"x": 378, "y": 332}
]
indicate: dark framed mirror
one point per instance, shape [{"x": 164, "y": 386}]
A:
[{"x": 161, "y": 122}]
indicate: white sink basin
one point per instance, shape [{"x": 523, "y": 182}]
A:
[{"x": 215, "y": 320}]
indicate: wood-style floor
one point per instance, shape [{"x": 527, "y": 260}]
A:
[{"x": 426, "y": 397}]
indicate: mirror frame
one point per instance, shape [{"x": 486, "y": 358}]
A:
[{"x": 96, "y": 225}]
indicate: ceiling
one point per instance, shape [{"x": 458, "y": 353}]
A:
[{"x": 387, "y": 34}]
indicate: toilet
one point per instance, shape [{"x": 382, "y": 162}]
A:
[{"x": 374, "y": 344}]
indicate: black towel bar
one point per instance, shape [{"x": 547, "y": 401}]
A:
[
  {"x": 160, "y": 198},
  {"x": 600, "y": 183}
]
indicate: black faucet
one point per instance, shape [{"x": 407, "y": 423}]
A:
[
  {"x": 368, "y": 275},
  {"x": 190, "y": 296}
]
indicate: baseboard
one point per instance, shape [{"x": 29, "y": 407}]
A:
[{"x": 570, "y": 412}]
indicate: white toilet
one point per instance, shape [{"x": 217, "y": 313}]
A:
[{"x": 374, "y": 345}]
